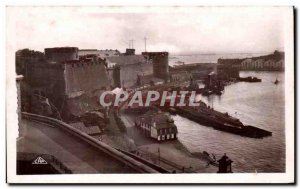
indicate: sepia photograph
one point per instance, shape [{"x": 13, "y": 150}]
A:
[{"x": 150, "y": 94}]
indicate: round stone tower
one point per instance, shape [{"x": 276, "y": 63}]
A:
[{"x": 160, "y": 61}]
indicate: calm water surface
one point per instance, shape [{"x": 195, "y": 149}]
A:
[{"x": 257, "y": 104}]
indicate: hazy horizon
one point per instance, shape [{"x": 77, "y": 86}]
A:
[
  {"x": 178, "y": 30},
  {"x": 171, "y": 53}
]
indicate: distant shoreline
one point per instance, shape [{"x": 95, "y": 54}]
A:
[{"x": 216, "y": 53}]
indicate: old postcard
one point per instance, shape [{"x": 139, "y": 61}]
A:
[{"x": 150, "y": 94}]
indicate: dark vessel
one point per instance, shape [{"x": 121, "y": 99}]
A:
[
  {"x": 193, "y": 86},
  {"x": 206, "y": 92},
  {"x": 276, "y": 82},
  {"x": 205, "y": 115},
  {"x": 212, "y": 86},
  {"x": 219, "y": 92},
  {"x": 249, "y": 79}
]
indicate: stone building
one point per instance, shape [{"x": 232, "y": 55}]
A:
[
  {"x": 130, "y": 52},
  {"x": 157, "y": 125},
  {"x": 125, "y": 70},
  {"x": 60, "y": 54},
  {"x": 101, "y": 53},
  {"x": 197, "y": 71},
  {"x": 261, "y": 64},
  {"x": 24, "y": 56},
  {"x": 160, "y": 61},
  {"x": 180, "y": 76},
  {"x": 271, "y": 62},
  {"x": 71, "y": 85}
]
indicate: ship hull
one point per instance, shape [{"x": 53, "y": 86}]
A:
[{"x": 219, "y": 124}]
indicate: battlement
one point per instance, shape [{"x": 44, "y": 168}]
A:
[
  {"x": 160, "y": 62},
  {"x": 151, "y": 54},
  {"x": 59, "y": 54}
]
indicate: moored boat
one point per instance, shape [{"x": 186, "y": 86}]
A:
[{"x": 209, "y": 117}]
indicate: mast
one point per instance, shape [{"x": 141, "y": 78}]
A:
[{"x": 145, "y": 39}]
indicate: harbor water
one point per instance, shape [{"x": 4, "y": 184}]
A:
[{"x": 259, "y": 104}]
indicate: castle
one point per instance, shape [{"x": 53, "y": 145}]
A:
[{"x": 72, "y": 79}]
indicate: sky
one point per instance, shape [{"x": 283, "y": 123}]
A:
[{"x": 179, "y": 30}]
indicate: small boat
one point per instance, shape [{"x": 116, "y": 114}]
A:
[
  {"x": 179, "y": 63},
  {"x": 249, "y": 79},
  {"x": 206, "y": 92},
  {"x": 276, "y": 82},
  {"x": 211, "y": 159},
  {"x": 218, "y": 92}
]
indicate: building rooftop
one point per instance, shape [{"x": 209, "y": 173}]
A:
[
  {"x": 147, "y": 79},
  {"x": 81, "y": 105},
  {"x": 90, "y": 130},
  {"x": 61, "y": 49},
  {"x": 162, "y": 119},
  {"x": 100, "y": 53},
  {"x": 155, "y": 53},
  {"x": 124, "y": 60}
]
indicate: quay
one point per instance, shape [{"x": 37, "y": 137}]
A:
[{"x": 172, "y": 155}]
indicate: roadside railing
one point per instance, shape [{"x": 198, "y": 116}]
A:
[
  {"x": 150, "y": 164},
  {"x": 165, "y": 161},
  {"x": 138, "y": 166}
]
